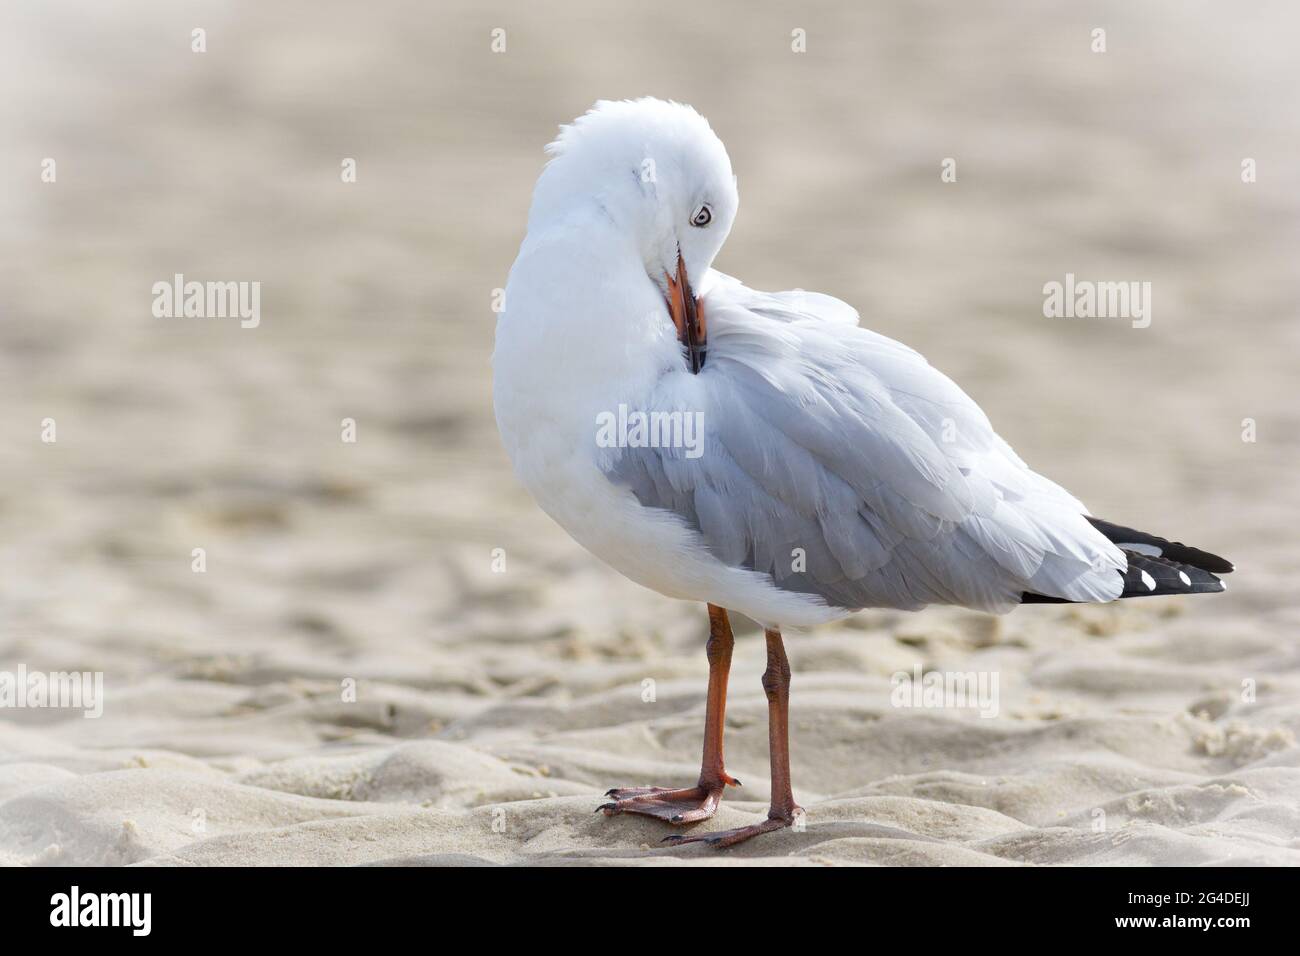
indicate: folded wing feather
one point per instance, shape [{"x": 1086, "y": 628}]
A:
[{"x": 843, "y": 465}]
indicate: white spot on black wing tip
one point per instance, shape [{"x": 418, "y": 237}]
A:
[
  {"x": 1182, "y": 576},
  {"x": 1148, "y": 580}
]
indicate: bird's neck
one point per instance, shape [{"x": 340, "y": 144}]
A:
[{"x": 579, "y": 301}]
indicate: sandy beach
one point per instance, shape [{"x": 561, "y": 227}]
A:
[{"x": 391, "y": 656}]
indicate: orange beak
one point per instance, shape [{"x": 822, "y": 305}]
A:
[{"x": 687, "y": 316}]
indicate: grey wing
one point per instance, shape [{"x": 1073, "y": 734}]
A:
[{"x": 843, "y": 465}]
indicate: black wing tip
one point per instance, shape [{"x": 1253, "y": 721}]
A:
[
  {"x": 1150, "y": 576},
  {"x": 1170, "y": 550}
]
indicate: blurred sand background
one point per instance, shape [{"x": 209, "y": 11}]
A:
[{"x": 494, "y": 709}]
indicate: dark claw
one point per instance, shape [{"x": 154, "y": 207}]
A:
[
  {"x": 607, "y": 806},
  {"x": 677, "y": 818},
  {"x": 611, "y": 791}
]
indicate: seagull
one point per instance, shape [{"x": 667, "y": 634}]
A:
[{"x": 759, "y": 453}]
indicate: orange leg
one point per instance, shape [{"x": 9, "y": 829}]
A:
[
  {"x": 692, "y": 804},
  {"x": 781, "y": 813}
]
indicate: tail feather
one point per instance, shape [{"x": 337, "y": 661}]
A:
[{"x": 1155, "y": 566}]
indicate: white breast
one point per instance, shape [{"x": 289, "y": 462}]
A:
[{"x": 566, "y": 351}]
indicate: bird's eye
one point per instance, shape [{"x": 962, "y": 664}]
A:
[{"x": 703, "y": 216}]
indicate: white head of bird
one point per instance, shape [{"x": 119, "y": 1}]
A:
[
  {"x": 626, "y": 220},
  {"x": 657, "y": 169}
]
